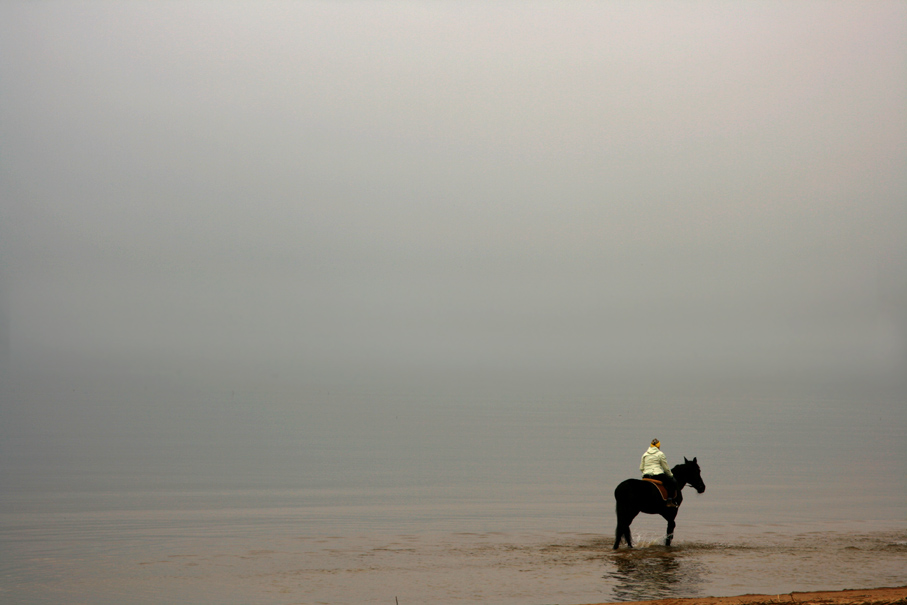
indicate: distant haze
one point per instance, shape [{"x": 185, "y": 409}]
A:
[{"x": 408, "y": 191}]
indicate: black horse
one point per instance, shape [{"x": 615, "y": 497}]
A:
[{"x": 636, "y": 496}]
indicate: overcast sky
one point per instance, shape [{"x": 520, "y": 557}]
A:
[{"x": 692, "y": 187}]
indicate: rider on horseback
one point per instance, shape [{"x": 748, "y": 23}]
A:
[{"x": 654, "y": 465}]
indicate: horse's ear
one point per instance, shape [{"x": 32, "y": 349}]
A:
[
  {"x": 694, "y": 458},
  {"x": 687, "y": 461}
]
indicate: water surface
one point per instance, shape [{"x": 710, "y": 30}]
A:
[{"x": 368, "y": 499}]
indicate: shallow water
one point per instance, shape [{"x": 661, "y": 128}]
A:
[
  {"x": 245, "y": 555},
  {"x": 413, "y": 501}
]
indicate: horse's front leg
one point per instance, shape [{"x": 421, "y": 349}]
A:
[{"x": 669, "y": 536}]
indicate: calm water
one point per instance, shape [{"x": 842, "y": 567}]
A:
[{"x": 278, "y": 497}]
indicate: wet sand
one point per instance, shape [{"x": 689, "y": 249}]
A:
[{"x": 874, "y": 596}]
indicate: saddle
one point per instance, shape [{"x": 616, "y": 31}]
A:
[{"x": 661, "y": 488}]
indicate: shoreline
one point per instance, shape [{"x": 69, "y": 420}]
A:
[{"x": 869, "y": 596}]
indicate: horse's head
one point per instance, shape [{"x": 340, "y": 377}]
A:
[{"x": 692, "y": 475}]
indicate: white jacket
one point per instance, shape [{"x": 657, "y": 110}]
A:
[{"x": 654, "y": 462}]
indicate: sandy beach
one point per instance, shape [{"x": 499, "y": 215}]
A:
[{"x": 873, "y": 596}]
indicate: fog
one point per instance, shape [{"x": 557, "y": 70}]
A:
[{"x": 405, "y": 196}]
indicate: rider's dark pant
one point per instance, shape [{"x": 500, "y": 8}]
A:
[{"x": 667, "y": 481}]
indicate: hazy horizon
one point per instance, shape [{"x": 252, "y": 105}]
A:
[{"x": 398, "y": 193}]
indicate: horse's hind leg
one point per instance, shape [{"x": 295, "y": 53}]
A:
[
  {"x": 624, "y": 518},
  {"x": 619, "y": 533},
  {"x": 627, "y": 536}
]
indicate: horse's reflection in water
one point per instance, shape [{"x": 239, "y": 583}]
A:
[{"x": 650, "y": 574}]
